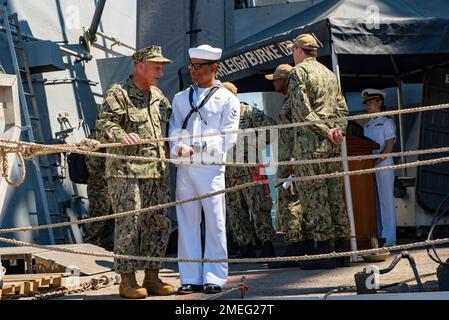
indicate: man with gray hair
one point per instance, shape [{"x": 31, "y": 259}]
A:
[{"x": 133, "y": 110}]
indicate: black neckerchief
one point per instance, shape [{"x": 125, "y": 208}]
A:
[{"x": 197, "y": 109}]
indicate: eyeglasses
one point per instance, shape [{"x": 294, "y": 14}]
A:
[{"x": 197, "y": 66}]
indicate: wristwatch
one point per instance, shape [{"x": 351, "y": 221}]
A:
[{"x": 198, "y": 147}]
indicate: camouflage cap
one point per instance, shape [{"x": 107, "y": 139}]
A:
[
  {"x": 307, "y": 41},
  {"x": 281, "y": 71},
  {"x": 230, "y": 86},
  {"x": 152, "y": 53}
]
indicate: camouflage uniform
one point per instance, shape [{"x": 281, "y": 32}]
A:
[
  {"x": 314, "y": 94},
  {"x": 100, "y": 233},
  {"x": 257, "y": 199},
  {"x": 133, "y": 185},
  {"x": 287, "y": 199}
]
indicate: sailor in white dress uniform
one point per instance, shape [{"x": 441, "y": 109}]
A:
[
  {"x": 204, "y": 107},
  {"x": 383, "y": 131}
]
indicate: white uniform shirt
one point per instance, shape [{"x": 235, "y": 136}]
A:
[
  {"x": 380, "y": 130},
  {"x": 221, "y": 112}
]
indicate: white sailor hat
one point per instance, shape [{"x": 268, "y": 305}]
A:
[
  {"x": 370, "y": 94},
  {"x": 205, "y": 52}
]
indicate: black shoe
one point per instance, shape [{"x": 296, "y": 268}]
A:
[
  {"x": 247, "y": 251},
  {"x": 267, "y": 250},
  {"x": 190, "y": 288},
  {"x": 293, "y": 249},
  {"x": 342, "y": 245},
  {"x": 320, "y": 247},
  {"x": 210, "y": 288}
]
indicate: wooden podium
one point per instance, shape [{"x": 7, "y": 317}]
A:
[{"x": 363, "y": 189}]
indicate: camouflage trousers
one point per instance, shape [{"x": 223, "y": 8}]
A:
[
  {"x": 244, "y": 228},
  {"x": 315, "y": 210},
  {"x": 146, "y": 234},
  {"x": 99, "y": 233}
]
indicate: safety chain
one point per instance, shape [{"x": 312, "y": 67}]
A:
[
  {"x": 89, "y": 285},
  {"x": 230, "y": 189},
  {"x": 233, "y": 260}
]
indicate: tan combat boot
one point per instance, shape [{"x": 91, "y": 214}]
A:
[
  {"x": 129, "y": 288},
  {"x": 154, "y": 285}
]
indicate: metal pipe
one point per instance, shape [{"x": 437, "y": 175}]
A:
[
  {"x": 344, "y": 154},
  {"x": 96, "y": 21},
  {"x": 76, "y": 54},
  {"x": 65, "y": 80},
  {"x": 411, "y": 260},
  {"x": 367, "y": 75},
  {"x": 401, "y": 125},
  {"x": 63, "y": 49},
  {"x": 115, "y": 40},
  {"x": 399, "y": 97}
]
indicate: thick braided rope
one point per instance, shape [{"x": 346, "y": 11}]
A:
[
  {"x": 5, "y": 168},
  {"x": 273, "y": 163},
  {"x": 67, "y": 147},
  {"x": 231, "y": 189},
  {"x": 245, "y": 260},
  {"x": 291, "y": 125},
  {"x": 235, "y": 164}
]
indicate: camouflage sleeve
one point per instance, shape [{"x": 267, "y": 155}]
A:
[
  {"x": 285, "y": 116},
  {"x": 109, "y": 117},
  {"x": 168, "y": 107},
  {"x": 342, "y": 112},
  {"x": 286, "y": 136},
  {"x": 260, "y": 119},
  {"x": 301, "y": 107}
]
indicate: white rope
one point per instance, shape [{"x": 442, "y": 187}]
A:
[
  {"x": 58, "y": 148},
  {"x": 231, "y": 189},
  {"x": 245, "y": 260}
]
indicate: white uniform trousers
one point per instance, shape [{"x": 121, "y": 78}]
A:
[
  {"x": 191, "y": 182},
  {"x": 385, "y": 185}
]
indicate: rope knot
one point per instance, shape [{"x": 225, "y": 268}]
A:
[
  {"x": 88, "y": 144},
  {"x": 26, "y": 151}
]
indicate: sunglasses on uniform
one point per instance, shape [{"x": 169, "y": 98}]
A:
[{"x": 197, "y": 66}]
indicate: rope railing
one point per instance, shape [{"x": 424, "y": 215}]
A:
[
  {"x": 27, "y": 150},
  {"x": 365, "y": 252},
  {"x": 230, "y": 189},
  {"x": 59, "y": 147}
]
